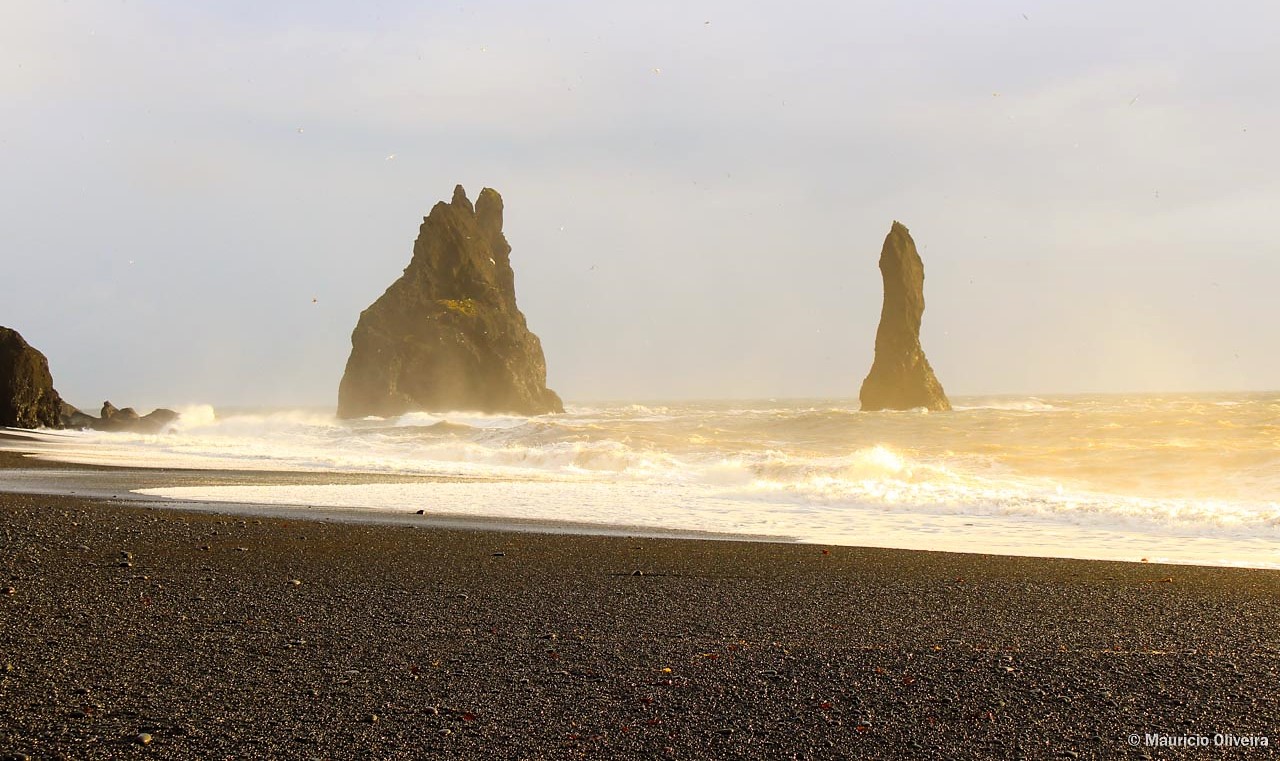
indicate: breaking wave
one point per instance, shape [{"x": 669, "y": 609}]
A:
[{"x": 820, "y": 470}]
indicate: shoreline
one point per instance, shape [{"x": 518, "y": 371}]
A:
[
  {"x": 117, "y": 484},
  {"x": 29, "y": 466}
]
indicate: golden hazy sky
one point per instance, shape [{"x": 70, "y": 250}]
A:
[{"x": 696, "y": 192}]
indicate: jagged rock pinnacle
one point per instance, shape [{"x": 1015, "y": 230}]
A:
[
  {"x": 448, "y": 335},
  {"x": 901, "y": 377}
]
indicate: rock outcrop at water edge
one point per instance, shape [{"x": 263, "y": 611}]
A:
[
  {"x": 27, "y": 396},
  {"x": 29, "y": 400}
]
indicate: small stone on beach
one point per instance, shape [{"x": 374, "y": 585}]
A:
[
  {"x": 142, "y": 738},
  {"x": 295, "y": 582}
]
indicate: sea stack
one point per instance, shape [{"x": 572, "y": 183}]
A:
[
  {"x": 447, "y": 335},
  {"x": 900, "y": 377},
  {"x": 27, "y": 396}
]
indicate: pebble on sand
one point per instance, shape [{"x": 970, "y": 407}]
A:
[{"x": 142, "y": 738}]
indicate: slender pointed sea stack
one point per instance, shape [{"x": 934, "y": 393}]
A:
[
  {"x": 27, "y": 396},
  {"x": 900, "y": 377},
  {"x": 448, "y": 335}
]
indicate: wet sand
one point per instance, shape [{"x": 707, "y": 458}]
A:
[{"x": 221, "y": 635}]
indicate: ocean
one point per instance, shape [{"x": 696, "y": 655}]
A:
[{"x": 1183, "y": 478}]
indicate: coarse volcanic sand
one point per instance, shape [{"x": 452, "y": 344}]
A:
[{"x": 233, "y": 636}]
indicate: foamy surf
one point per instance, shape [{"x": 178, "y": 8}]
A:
[
  {"x": 1183, "y": 479},
  {"x": 669, "y": 508}
]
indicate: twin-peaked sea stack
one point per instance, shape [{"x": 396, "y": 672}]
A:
[
  {"x": 900, "y": 377},
  {"x": 448, "y": 335}
]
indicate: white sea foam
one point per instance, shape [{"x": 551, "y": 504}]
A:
[
  {"x": 671, "y": 507},
  {"x": 469, "y": 419},
  {"x": 1196, "y": 479},
  {"x": 1031, "y": 404}
]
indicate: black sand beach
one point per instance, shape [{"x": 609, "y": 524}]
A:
[{"x": 212, "y": 635}]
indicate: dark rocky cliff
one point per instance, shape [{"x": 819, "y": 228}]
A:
[
  {"x": 448, "y": 334},
  {"x": 28, "y": 399},
  {"x": 27, "y": 396},
  {"x": 900, "y": 377}
]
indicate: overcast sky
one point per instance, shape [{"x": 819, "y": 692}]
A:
[{"x": 696, "y": 192}]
